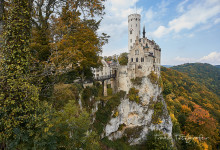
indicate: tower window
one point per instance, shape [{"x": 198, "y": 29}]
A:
[
  {"x": 136, "y": 25},
  {"x": 131, "y": 47},
  {"x": 131, "y": 59},
  {"x": 131, "y": 32},
  {"x": 131, "y": 40},
  {"x": 136, "y": 52},
  {"x": 142, "y": 59},
  {"x": 136, "y": 59},
  {"x": 136, "y": 19}
]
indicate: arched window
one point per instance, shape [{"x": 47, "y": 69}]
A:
[{"x": 131, "y": 32}]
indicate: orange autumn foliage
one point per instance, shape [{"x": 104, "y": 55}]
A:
[
  {"x": 200, "y": 116},
  {"x": 185, "y": 109}
]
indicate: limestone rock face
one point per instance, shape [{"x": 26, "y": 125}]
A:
[{"x": 134, "y": 120}]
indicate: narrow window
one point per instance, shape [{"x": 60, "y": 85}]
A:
[
  {"x": 131, "y": 59},
  {"x": 131, "y": 32},
  {"x": 136, "y": 59},
  {"x": 131, "y": 40},
  {"x": 136, "y": 52},
  {"x": 131, "y": 47},
  {"x": 136, "y": 25}
]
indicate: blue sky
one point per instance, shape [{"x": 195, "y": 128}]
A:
[{"x": 187, "y": 30}]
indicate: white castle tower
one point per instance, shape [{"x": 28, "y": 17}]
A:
[{"x": 133, "y": 29}]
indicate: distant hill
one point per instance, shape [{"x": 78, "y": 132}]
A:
[
  {"x": 205, "y": 74},
  {"x": 167, "y": 66},
  {"x": 188, "y": 101},
  {"x": 218, "y": 66}
]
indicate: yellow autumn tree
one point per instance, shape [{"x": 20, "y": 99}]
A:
[{"x": 77, "y": 45}]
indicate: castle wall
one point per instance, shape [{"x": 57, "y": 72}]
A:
[
  {"x": 123, "y": 79},
  {"x": 144, "y": 57}
]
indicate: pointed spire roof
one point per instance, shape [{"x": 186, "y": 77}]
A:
[{"x": 144, "y": 32}]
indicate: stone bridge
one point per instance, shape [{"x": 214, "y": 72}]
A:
[
  {"x": 104, "y": 83},
  {"x": 106, "y": 77}
]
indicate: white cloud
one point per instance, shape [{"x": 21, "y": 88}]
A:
[
  {"x": 181, "y": 6},
  {"x": 161, "y": 31},
  {"x": 149, "y": 15},
  {"x": 212, "y": 58},
  {"x": 184, "y": 59},
  {"x": 163, "y": 6},
  {"x": 217, "y": 21},
  {"x": 115, "y": 23},
  {"x": 200, "y": 12},
  {"x": 190, "y": 35}
]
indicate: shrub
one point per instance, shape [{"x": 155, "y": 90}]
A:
[
  {"x": 63, "y": 93},
  {"x": 157, "y": 140},
  {"x": 133, "y": 95},
  {"x": 137, "y": 81},
  {"x": 121, "y": 126},
  {"x": 103, "y": 115},
  {"x": 87, "y": 94},
  {"x": 131, "y": 133},
  {"x": 153, "y": 77},
  {"x": 158, "y": 111},
  {"x": 119, "y": 144},
  {"x": 109, "y": 91}
]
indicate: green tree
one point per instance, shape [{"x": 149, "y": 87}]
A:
[
  {"x": 158, "y": 141},
  {"x": 1, "y": 20},
  {"x": 78, "y": 45},
  {"x": 24, "y": 123},
  {"x": 123, "y": 59},
  {"x": 72, "y": 126}
]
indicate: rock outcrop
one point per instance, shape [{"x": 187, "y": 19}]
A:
[{"x": 134, "y": 120}]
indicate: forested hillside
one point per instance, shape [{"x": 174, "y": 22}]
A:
[
  {"x": 205, "y": 74},
  {"x": 194, "y": 109}
]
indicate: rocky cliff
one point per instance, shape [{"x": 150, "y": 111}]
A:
[{"x": 134, "y": 118}]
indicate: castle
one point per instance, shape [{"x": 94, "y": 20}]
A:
[
  {"x": 144, "y": 57},
  {"x": 135, "y": 119}
]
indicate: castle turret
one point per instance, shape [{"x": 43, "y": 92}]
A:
[
  {"x": 133, "y": 29},
  {"x": 144, "y": 32}
]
